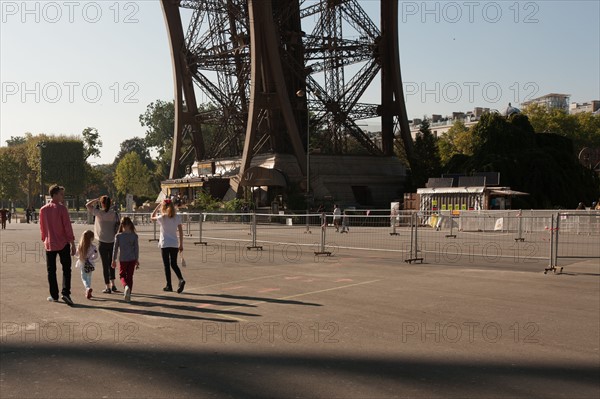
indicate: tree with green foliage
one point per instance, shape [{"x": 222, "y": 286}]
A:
[
  {"x": 91, "y": 142},
  {"x": 20, "y": 168},
  {"x": 427, "y": 159},
  {"x": 132, "y": 176},
  {"x": 457, "y": 140},
  {"x": 583, "y": 129},
  {"x": 139, "y": 146},
  {"x": 62, "y": 162},
  {"x": 99, "y": 181},
  {"x": 108, "y": 172},
  {"x": 44, "y": 159},
  {"x": 588, "y": 132},
  {"x": 14, "y": 141},
  {"x": 543, "y": 165},
  {"x": 159, "y": 121},
  {"x": 158, "y": 170},
  {"x": 9, "y": 181},
  {"x": 205, "y": 202}
]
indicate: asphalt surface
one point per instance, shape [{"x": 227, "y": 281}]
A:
[{"x": 283, "y": 323}]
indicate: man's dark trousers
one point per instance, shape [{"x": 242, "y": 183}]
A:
[{"x": 65, "y": 260}]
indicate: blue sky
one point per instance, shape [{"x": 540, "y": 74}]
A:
[{"x": 69, "y": 65}]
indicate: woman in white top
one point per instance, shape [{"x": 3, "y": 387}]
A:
[
  {"x": 170, "y": 246},
  {"x": 104, "y": 226}
]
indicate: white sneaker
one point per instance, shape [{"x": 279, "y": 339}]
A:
[{"x": 127, "y": 294}]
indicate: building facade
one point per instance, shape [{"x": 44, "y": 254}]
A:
[
  {"x": 551, "y": 101},
  {"x": 592, "y": 107}
]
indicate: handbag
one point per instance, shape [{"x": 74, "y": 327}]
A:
[{"x": 88, "y": 267}]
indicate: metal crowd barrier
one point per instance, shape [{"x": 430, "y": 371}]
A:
[
  {"x": 575, "y": 235},
  {"x": 415, "y": 236}
]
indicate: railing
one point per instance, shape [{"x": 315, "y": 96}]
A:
[
  {"x": 575, "y": 235},
  {"x": 440, "y": 237}
]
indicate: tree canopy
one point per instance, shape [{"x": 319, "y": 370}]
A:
[
  {"x": 132, "y": 176},
  {"x": 427, "y": 160},
  {"x": 543, "y": 165},
  {"x": 159, "y": 121},
  {"x": 582, "y": 128},
  {"x": 14, "y": 141},
  {"x": 137, "y": 145},
  {"x": 91, "y": 142},
  {"x": 62, "y": 162},
  {"x": 9, "y": 180}
]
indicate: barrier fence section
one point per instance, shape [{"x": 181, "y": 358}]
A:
[
  {"x": 262, "y": 231},
  {"x": 491, "y": 236},
  {"x": 77, "y": 217},
  {"x": 434, "y": 237},
  {"x": 576, "y": 235},
  {"x": 330, "y": 235}
]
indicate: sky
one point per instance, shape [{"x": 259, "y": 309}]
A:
[{"x": 69, "y": 65}]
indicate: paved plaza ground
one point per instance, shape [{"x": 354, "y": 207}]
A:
[{"x": 283, "y": 323}]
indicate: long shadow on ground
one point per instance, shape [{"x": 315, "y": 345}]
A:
[{"x": 130, "y": 371}]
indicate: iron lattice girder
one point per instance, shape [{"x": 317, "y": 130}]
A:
[
  {"x": 354, "y": 12},
  {"x": 333, "y": 53},
  {"x": 364, "y": 111},
  {"x": 215, "y": 6},
  {"x": 218, "y": 48},
  {"x": 345, "y": 116},
  {"x": 354, "y": 90},
  {"x": 218, "y": 55},
  {"x": 361, "y": 137},
  {"x": 229, "y": 99},
  {"x": 347, "y": 52},
  {"x": 222, "y": 57}
]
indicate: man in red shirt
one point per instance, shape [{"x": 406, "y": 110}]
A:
[{"x": 58, "y": 238}]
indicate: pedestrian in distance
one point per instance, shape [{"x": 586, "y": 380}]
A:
[
  {"x": 345, "y": 228},
  {"x": 106, "y": 225},
  {"x": 337, "y": 217},
  {"x": 86, "y": 254},
  {"x": 3, "y": 216},
  {"x": 127, "y": 248},
  {"x": 171, "y": 240},
  {"x": 58, "y": 238}
]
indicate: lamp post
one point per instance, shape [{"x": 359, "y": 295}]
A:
[
  {"x": 301, "y": 93},
  {"x": 41, "y": 145}
]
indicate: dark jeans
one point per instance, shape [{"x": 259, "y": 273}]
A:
[
  {"x": 169, "y": 256},
  {"x": 65, "y": 260},
  {"x": 106, "y": 251}
]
